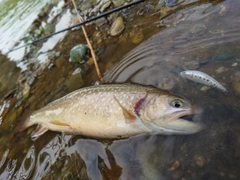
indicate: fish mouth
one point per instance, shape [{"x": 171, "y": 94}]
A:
[
  {"x": 188, "y": 117},
  {"x": 181, "y": 114},
  {"x": 180, "y": 123}
]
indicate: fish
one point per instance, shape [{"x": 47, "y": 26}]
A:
[
  {"x": 202, "y": 78},
  {"x": 114, "y": 111}
]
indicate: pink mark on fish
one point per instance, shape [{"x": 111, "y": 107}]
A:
[{"x": 138, "y": 106}]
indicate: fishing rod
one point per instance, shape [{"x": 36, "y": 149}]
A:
[{"x": 82, "y": 23}]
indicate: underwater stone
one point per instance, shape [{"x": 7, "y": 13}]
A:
[
  {"x": 222, "y": 54},
  {"x": 199, "y": 160},
  {"x": 198, "y": 28},
  {"x": 75, "y": 82},
  {"x": 191, "y": 65},
  {"x": 236, "y": 83},
  {"x": 170, "y": 2},
  {"x": 160, "y": 4},
  {"x": 137, "y": 38},
  {"x": 118, "y": 3},
  {"x": 78, "y": 53},
  {"x": 117, "y": 27}
]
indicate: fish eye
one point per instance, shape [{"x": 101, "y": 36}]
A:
[{"x": 177, "y": 103}]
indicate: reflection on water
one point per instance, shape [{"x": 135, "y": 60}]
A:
[
  {"x": 15, "y": 18},
  {"x": 198, "y": 36}
]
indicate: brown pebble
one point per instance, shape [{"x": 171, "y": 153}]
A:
[
  {"x": 175, "y": 164},
  {"x": 236, "y": 83},
  {"x": 199, "y": 160},
  {"x": 137, "y": 38}
]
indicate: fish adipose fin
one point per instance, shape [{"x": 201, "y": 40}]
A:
[{"x": 130, "y": 117}]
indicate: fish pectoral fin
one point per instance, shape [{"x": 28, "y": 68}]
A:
[
  {"x": 130, "y": 117},
  {"x": 39, "y": 131},
  {"x": 59, "y": 123}
]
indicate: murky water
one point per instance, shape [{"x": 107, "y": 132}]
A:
[{"x": 202, "y": 35}]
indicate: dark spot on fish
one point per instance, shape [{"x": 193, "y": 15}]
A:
[{"x": 85, "y": 112}]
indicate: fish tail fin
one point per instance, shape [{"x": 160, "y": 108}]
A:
[{"x": 24, "y": 122}]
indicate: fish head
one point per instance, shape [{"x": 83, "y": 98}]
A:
[{"x": 166, "y": 112}]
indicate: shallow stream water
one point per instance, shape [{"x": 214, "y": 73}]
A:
[{"x": 202, "y": 35}]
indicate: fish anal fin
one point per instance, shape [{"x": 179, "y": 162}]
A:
[
  {"x": 59, "y": 123},
  {"x": 130, "y": 117},
  {"x": 39, "y": 131}
]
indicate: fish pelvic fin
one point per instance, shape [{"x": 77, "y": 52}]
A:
[
  {"x": 38, "y": 132},
  {"x": 42, "y": 128},
  {"x": 24, "y": 122},
  {"x": 129, "y": 116}
]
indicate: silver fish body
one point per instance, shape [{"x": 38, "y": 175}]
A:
[
  {"x": 203, "y": 78},
  {"x": 115, "y": 111}
]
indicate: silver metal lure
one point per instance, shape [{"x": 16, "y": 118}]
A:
[{"x": 200, "y": 77}]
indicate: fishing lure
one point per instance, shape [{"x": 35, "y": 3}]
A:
[{"x": 200, "y": 77}]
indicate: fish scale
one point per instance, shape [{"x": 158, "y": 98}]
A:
[{"x": 114, "y": 111}]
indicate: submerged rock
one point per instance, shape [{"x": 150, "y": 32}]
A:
[
  {"x": 170, "y": 2},
  {"x": 199, "y": 160},
  {"x": 222, "y": 54},
  {"x": 78, "y": 53},
  {"x": 75, "y": 81},
  {"x": 198, "y": 28},
  {"x": 160, "y": 4},
  {"x": 191, "y": 65},
  {"x": 137, "y": 38},
  {"x": 236, "y": 83},
  {"x": 118, "y": 3},
  {"x": 117, "y": 27}
]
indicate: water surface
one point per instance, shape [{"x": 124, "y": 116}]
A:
[{"x": 203, "y": 35}]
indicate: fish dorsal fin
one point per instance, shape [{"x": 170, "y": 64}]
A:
[
  {"x": 130, "y": 117},
  {"x": 39, "y": 131},
  {"x": 59, "y": 123}
]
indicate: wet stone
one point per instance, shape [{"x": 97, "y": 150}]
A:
[
  {"x": 118, "y": 3},
  {"x": 174, "y": 165},
  {"x": 78, "y": 53},
  {"x": 236, "y": 83},
  {"x": 117, "y": 27},
  {"x": 177, "y": 174},
  {"x": 76, "y": 71},
  {"x": 90, "y": 61},
  {"x": 170, "y": 2},
  {"x": 74, "y": 82},
  {"x": 221, "y": 70},
  {"x": 198, "y": 28},
  {"x": 137, "y": 38},
  {"x": 205, "y": 88},
  {"x": 222, "y": 54},
  {"x": 160, "y": 4},
  {"x": 199, "y": 160},
  {"x": 191, "y": 65}
]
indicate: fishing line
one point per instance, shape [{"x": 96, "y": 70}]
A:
[{"x": 82, "y": 23}]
